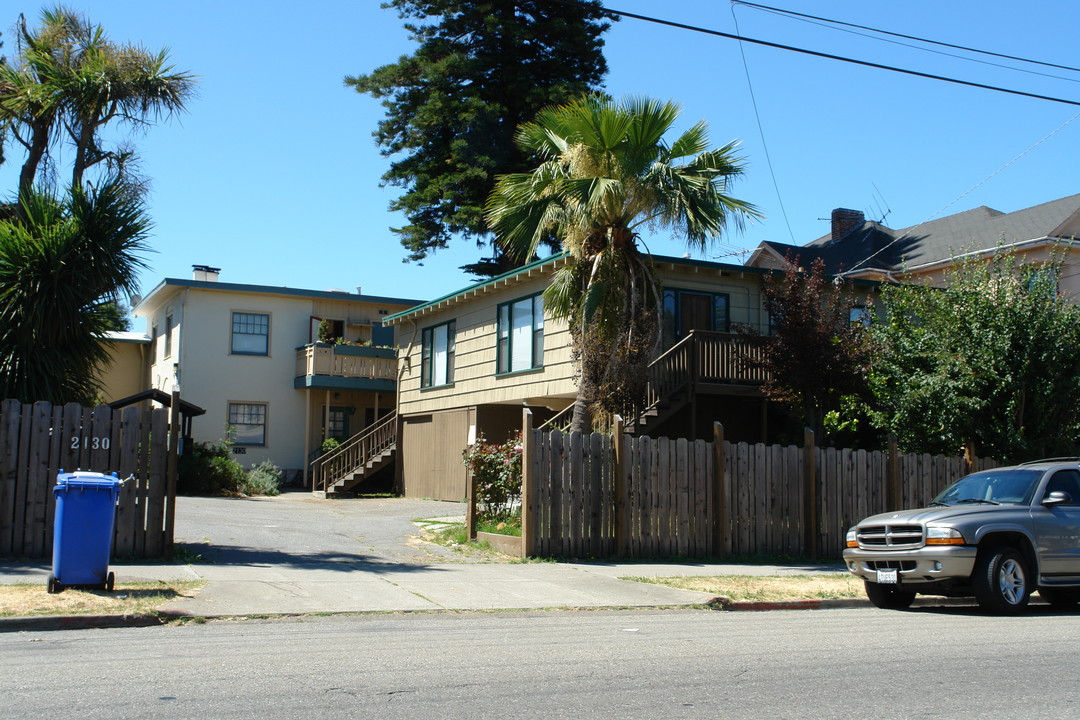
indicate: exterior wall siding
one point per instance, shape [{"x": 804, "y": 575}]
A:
[{"x": 431, "y": 462}]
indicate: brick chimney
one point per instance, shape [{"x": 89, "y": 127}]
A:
[{"x": 844, "y": 221}]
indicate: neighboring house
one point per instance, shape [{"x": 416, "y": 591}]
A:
[
  {"x": 128, "y": 371},
  {"x": 248, "y": 355},
  {"x": 865, "y": 249},
  {"x": 471, "y": 360}
]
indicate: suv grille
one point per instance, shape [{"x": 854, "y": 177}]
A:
[{"x": 890, "y": 536}]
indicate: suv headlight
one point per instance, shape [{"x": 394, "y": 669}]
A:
[
  {"x": 943, "y": 536},
  {"x": 851, "y": 541}
]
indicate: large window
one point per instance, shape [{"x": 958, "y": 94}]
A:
[
  {"x": 437, "y": 355},
  {"x": 521, "y": 335},
  {"x": 247, "y": 423},
  {"x": 250, "y": 333},
  {"x": 686, "y": 310}
]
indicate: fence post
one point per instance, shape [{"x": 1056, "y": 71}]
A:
[
  {"x": 528, "y": 485},
  {"x": 810, "y": 511},
  {"x": 893, "y": 490},
  {"x": 720, "y": 499},
  {"x": 171, "y": 469},
  {"x": 969, "y": 457},
  {"x": 619, "y": 489}
]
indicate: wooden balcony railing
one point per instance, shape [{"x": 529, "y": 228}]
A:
[
  {"x": 704, "y": 357},
  {"x": 346, "y": 361}
]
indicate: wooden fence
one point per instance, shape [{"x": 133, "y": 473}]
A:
[
  {"x": 585, "y": 496},
  {"x": 38, "y": 441}
]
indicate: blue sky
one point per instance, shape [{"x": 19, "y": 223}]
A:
[{"x": 273, "y": 175}]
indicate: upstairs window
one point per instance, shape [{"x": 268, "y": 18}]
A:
[
  {"x": 521, "y": 335},
  {"x": 859, "y": 315},
  {"x": 437, "y": 354},
  {"x": 250, "y": 333}
]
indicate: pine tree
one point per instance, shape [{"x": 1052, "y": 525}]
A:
[{"x": 453, "y": 106}]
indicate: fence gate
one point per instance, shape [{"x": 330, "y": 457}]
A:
[{"x": 38, "y": 441}]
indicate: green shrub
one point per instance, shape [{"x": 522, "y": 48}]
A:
[
  {"x": 209, "y": 469},
  {"x": 329, "y": 444},
  {"x": 263, "y": 479},
  {"x": 496, "y": 471}
]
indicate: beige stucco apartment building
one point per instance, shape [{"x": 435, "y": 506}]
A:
[{"x": 248, "y": 355}]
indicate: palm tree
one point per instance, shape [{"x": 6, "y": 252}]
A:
[
  {"x": 63, "y": 264},
  {"x": 70, "y": 79},
  {"x": 605, "y": 171}
]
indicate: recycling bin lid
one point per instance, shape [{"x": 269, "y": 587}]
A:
[{"x": 85, "y": 479}]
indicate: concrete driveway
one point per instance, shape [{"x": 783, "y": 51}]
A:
[{"x": 295, "y": 529}]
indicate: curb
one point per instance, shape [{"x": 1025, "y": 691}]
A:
[
  {"x": 79, "y": 622},
  {"x": 721, "y": 602}
]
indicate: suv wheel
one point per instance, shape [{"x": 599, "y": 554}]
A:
[
  {"x": 1001, "y": 581},
  {"x": 888, "y": 597}
]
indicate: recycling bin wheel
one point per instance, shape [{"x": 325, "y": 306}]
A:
[
  {"x": 109, "y": 582},
  {"x": 54, "y": 585}
]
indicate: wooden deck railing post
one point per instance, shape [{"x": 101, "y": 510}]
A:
[
  {"x": 528, "y": 485},
  {"x": 810, "y": 494},
  {"x": 719, "y": 510},
  {"x": 619, "y": 519}
]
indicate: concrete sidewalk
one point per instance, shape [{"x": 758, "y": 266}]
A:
[{"x": 337, "y": 587}]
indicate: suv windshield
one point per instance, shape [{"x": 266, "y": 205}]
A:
[{"x": 1006, "y": 486}]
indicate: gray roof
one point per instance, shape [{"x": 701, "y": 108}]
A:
[{"x": 873, "y": 245}]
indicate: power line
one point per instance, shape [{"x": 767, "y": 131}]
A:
[
  {"x": 961, "y": 196},
  {"x": 906, "y": 37},
  {"x": 809, "y": 19},
  {"x": 761, "y": 132},
  {"x": 815, "y": 53}
]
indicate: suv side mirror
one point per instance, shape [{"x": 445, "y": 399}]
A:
[{"x": 1057, "y": 497}]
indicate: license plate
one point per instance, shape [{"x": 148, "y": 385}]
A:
[{"x": 888, "y": 577}]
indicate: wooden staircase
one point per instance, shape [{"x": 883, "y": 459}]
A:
[
  {"x": 700, "y": 359},
  {"x": 339, "y": 471}
]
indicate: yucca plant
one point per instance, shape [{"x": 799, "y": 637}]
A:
[{"x": 63, "y": 262}]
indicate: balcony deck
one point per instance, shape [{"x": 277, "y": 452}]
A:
[{"x": 346, "y": 367}]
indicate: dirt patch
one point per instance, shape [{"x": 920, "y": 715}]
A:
[
  {"x": 125, "y": 599},
  {"x": 772, "y": 588}
]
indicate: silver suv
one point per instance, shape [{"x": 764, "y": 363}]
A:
[{"x": 997, "y": 535}]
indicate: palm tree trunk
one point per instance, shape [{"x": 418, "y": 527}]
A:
[{"x": 582, "y": 419}]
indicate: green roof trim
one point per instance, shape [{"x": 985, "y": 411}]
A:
[
  {"x": 475, "y": 286},
  {"x": 656, "y": 259}
]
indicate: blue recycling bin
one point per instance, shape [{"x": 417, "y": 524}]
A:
[{"x": 83, "y": 529}]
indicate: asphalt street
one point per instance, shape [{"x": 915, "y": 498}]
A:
[{"x": 926, "y": 663}]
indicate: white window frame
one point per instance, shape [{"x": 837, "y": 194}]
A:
[
  {"x": 234, "y": 335},
  {"x": 232, "y": 417}
]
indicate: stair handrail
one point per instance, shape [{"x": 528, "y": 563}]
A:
[
  {"x": 557, "y": 418},
  {"x": 355, "y": 452}
]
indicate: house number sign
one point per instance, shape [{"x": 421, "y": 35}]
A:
[{"x": 89, "y": 443}]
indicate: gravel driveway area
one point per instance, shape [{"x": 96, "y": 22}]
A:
[{"x": 296, "y": 528}]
